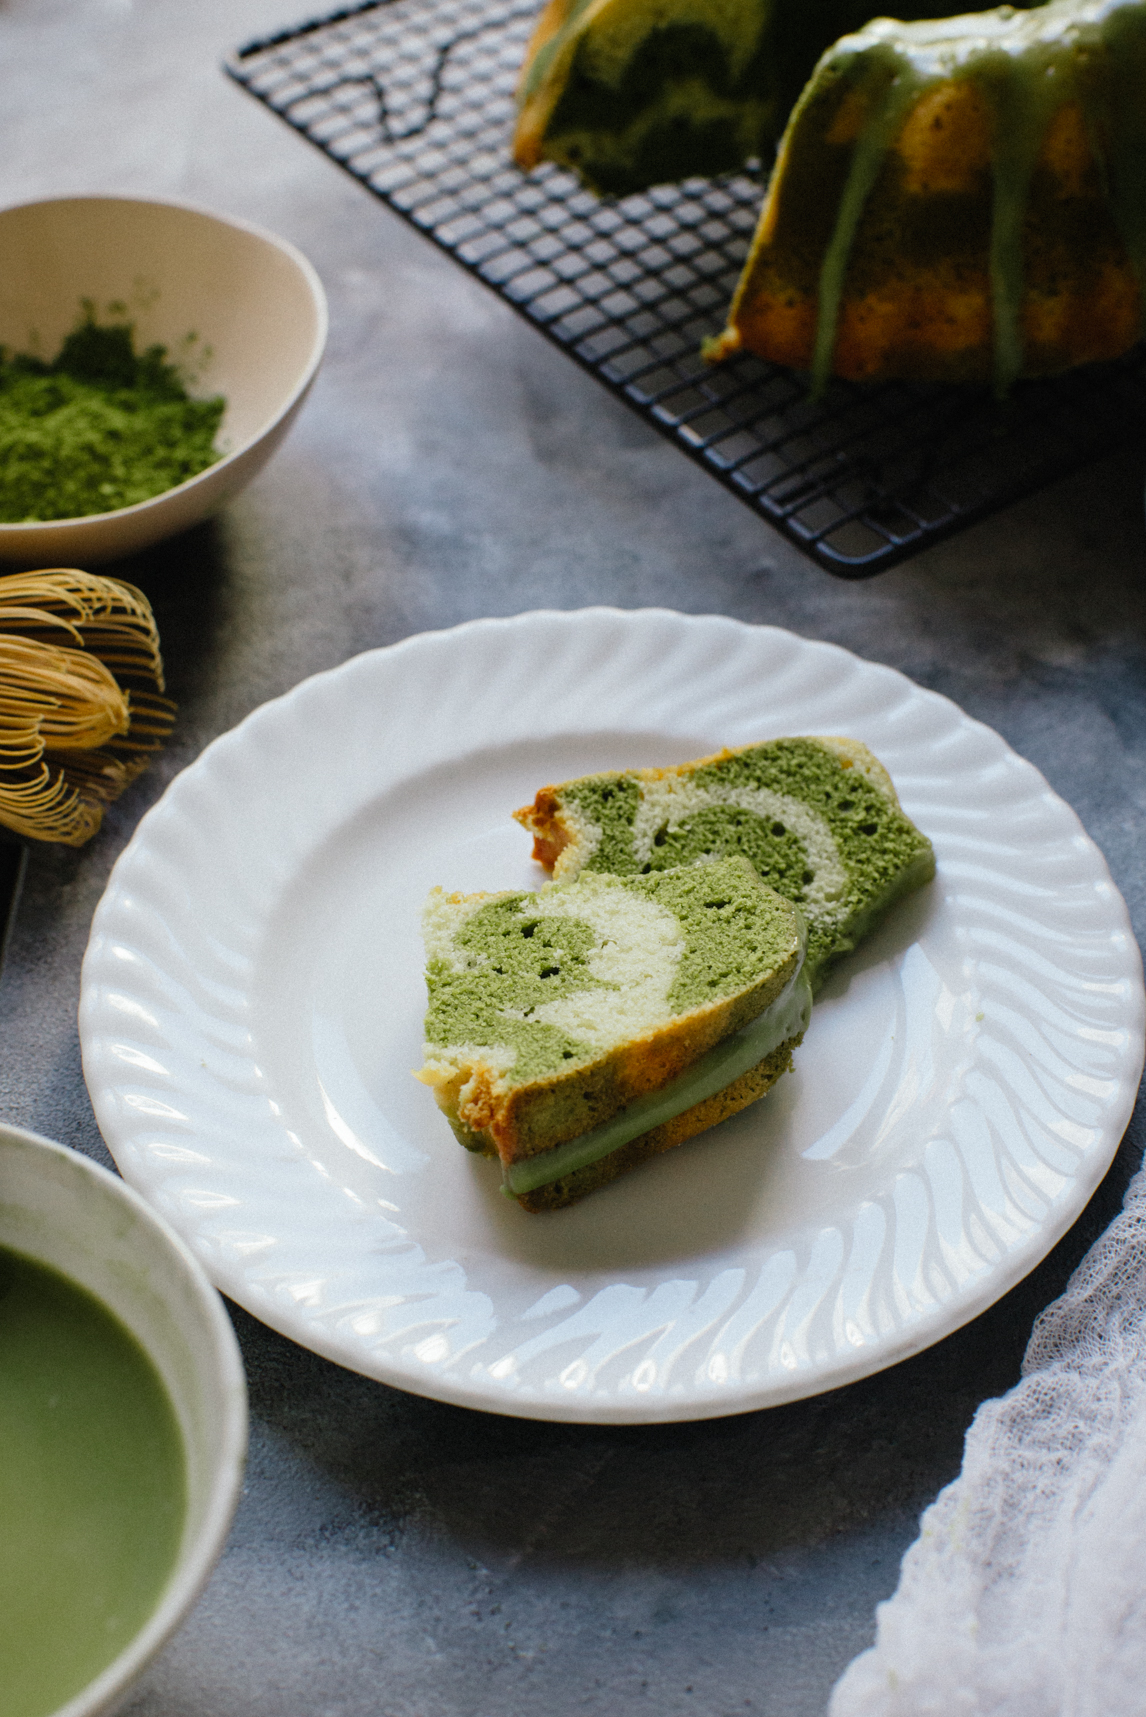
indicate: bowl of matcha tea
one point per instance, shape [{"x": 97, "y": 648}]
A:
[
  {"x": 152, "y": 357},
  {"x": 123, "y": 1426}
]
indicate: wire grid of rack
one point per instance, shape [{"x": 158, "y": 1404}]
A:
[
  {"x": 415, "y": 99},
  {"x": 13, "y": 860}
]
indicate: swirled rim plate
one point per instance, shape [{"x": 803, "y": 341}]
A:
[{"x": 252, "y": 1001}]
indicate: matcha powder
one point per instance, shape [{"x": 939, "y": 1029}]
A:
[{"x": 98, "y": 428}]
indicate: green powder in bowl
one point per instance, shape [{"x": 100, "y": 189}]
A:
[{"x": 99, "y": 428}]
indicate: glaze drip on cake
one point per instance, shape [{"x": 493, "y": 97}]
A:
[
  {"x": 631, "y": 93},
  {"x": 957, "y": 199}
]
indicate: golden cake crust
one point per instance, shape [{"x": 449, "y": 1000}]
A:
[
  {"x": 954, "y": 199},
  {"x": 513, "y": 1122},
  {"x": 906, "y": 314},
  {"x": 553, "y": 834}
]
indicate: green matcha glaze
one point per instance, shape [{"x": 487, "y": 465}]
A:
[
  {"x": 641, "y": 96},
  {"x": 542, "y": 61},
  {"x": 888, "y": 97},
  {"x": 1122, "y": 108},
  {"x": 710, "y": 1074},
  {"x": 92, "y": 1487},
  {"x": 1025, "y": 65}
]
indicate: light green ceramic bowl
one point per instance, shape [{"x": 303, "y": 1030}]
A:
[{"x": 64, "y": 1211}]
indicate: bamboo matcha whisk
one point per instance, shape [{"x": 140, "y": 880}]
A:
[{"x": 81, "y": 705}]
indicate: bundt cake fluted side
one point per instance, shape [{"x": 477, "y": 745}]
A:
[
  {"x": 958, "y": 201},
  {"x": 955, "y": 199}
]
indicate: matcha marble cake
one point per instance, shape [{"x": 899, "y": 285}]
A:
[
  {"x": 575, "y": 1032},
  {"x": 959, "y": 201},
  {"x": 631, "y": 93},
  {"x": 629, "y": 96},
  {"x": 955, "y": 198},
  {"x": 817, "y": 817}
]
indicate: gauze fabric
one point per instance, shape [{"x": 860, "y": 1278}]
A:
[{"x": 1025, "y": 1593}]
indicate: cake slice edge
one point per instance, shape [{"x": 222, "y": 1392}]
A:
[{"x": 522, "y": 1122}]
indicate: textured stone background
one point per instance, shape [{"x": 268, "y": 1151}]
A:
[{"x": 393, "y": 1556}]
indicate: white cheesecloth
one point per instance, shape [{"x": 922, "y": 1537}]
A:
[{"x": 1025, "y": 1592}]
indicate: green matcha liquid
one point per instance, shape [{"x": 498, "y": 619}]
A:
[{"x": 92, "y": 1487}]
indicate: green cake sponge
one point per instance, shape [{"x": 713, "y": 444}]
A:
[
  {"x": 818, "y": 818},
  {"x": 629, "y": 95},
  {"x": 574, "y": 1032}
]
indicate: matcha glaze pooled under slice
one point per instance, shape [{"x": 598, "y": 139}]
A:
[
  {"x": 818, "y": 819},
  {"x": 576, "y": 1031}
]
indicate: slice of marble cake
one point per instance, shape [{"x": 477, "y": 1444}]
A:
[
  {"x": 818, "y": 818},
  {"x": 575, "y": 1032}
]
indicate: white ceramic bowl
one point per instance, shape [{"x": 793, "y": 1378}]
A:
[
  {"x": 254, "y": 303},
  {"x": 65, "y": 1211}
]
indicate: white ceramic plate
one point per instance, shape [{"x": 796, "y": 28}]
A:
[{"x": 252, "y": 1001}]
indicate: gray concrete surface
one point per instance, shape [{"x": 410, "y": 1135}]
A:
[{"x": 391, "y": 1555}]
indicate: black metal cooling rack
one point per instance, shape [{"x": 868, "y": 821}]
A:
[
  {"x": 13, "y": 860},
  {"x": 415, "y": 98}
]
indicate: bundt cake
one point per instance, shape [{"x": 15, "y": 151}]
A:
[
  {"x": 631, "y": 93},
  {"x": 819, "y": 820},
  {"x": 575, "y": 1032},
  {"x": 959, "y": 199}
]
